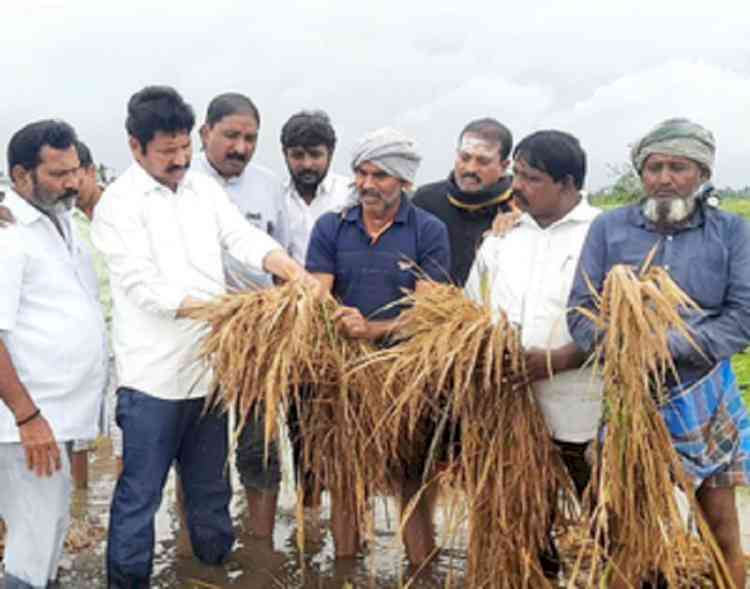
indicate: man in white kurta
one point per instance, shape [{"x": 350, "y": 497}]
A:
[
  {"x": 53, "y": 358},
  {"x": 528, "y": 274}
]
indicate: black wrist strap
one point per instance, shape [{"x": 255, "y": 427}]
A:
[{"x": 29, "y": 419}]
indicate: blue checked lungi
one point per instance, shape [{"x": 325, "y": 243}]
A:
[{"x": 710, "y": 428}]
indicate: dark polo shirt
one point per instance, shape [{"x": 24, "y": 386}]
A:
[{"x": 371, "y": 274}]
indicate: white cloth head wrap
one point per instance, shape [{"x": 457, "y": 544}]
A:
[{"x": 391, "y": 151}]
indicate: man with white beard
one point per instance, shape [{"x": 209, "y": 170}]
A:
[{"x": 707, "y": 253}]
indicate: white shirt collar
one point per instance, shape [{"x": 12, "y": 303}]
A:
[
  {"x": 207, "y": 168},
  {"x": 146, "y": 183},
  {"x": 24, "y": 213},
  {"x": 583, "y": 212},
  {"x": 323, "y": 190}
]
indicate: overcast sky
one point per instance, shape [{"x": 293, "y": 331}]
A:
[{"x": 603, "y": 70}]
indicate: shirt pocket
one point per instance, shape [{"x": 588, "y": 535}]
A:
[
  {"x": 708, "y": 276},
  {"x": 558, "y": 278}
]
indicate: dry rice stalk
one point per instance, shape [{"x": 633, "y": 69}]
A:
[
  {"x": 637, "y": 525},
  {"x": 277, "y": 348},
  {"x": 451, "y": 368}
]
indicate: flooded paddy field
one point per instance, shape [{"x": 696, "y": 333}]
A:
[{"x": 255, "y": 564}]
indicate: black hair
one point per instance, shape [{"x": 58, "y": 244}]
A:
[
  {"x": 493, "y": 131},
  {"x": 158, "y": 109},
  {"x": 26, "y": 145},
  {"x": 84, "y": 154},
  {"x": 308, "y": 128},
  {"x": 230, "y": 103},
  {"x": 556, "y": 153}
]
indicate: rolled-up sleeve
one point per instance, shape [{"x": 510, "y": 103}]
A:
[
  {"x": 590, "y": 273},
  {"x": 12, "y": 262},
  {"x": 244, "y": 242},
  {"x": 122, "y": 238}
]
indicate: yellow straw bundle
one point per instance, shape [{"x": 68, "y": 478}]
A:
[
  {"x": 279, "y": 347},
  {"x": 451, "y": 369},
  {"x": 635, "y": 517}
]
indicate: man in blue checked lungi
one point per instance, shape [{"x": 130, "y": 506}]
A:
[{"x": 707, "y": 253}]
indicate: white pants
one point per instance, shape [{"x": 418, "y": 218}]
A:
[{"x": 36, "y": 511}]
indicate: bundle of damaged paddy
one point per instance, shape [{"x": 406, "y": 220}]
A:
[
  {"x": 451, "y": 368},
  {"x": 637, "y": 525},
  {"x": 277, "y": 348}
]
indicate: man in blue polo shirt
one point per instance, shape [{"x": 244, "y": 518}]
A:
[{"x": 359, "y": 257}]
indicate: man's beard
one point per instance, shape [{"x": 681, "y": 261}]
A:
[
  {"x": 308, "y": 180},
  {"x": 53, "y": 206},
  {"x": 668, "y": 211}
]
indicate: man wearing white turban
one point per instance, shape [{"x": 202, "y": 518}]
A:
[{"x": 359, "y": 257}]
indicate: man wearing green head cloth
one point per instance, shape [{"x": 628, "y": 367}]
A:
[{"x": 707, "y": 253}]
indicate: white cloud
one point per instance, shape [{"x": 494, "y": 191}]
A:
[
  {"x": 605, "y": 71},
  {"x": 618, "y": 113}
]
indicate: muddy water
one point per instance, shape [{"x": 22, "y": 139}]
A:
[{"x": 257, "y": 565}]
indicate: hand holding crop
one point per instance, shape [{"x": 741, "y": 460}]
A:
[{"x": 353, "y": 323}]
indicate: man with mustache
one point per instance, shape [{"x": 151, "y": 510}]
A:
[
  {"x": 707, "y": 253},
  {"x": 53, "y": 359},
  {"x": 475, "y": 193},
  {"x": 230, "y": 136},
  {"x": 307, "y": 142},
  {"x": 528, "y": 274},
  {"x": 163, "y": 230},
  {"x": 359, "y": 257}
]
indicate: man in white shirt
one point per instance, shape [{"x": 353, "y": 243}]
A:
[
  {"x": 52, "y": 350},
  {"x": 229, "y": 136},
  {"x": 162, "y": 230},
  {"x": 307, "y": 141},
  {"x": 529, "y": 273}
]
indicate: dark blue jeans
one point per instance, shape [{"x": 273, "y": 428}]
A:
[{"x": 157, "y": 433}]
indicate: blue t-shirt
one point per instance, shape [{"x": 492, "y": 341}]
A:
[{"x": 370, "y": 274}]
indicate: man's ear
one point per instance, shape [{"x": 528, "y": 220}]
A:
[
  {"x": 203, "y": 134},
  {"x": 135, "y": 146},
  {"x": 21, "y": 176},
  {"x": 568, "y": 183}
]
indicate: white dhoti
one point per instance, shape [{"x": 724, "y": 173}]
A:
[{"x": 36, "y": 511}]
